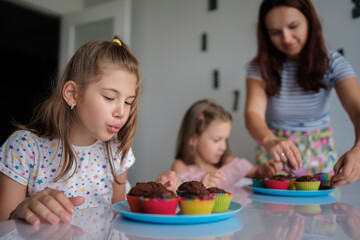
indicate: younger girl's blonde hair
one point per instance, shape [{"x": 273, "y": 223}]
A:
[
  {"x": 53, "y": 118},
  {"x": 196, "y": 120}
]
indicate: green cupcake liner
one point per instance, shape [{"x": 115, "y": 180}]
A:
[
  {"x": 222, "y": 202},
  {"x": 307, "y": 186}
]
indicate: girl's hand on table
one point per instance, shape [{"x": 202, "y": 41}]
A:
[
  {"x": 169, "y": 180},
  {"x": 282, "y": 150},
  {"x": 347, "y": 169},
  {"x": 49, "y": 204},
  {"x": 60, "y": 231},
  {"x": 212, "y": 179}
]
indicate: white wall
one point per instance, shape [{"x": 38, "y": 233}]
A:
[
  {"x": 341, "y": 31},
  {"x": 166, "y": 39}
]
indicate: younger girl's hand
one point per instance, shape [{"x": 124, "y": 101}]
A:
[
  {"x": 169, "y": 180},
  {"x": 270, "y": 168},
  {"x": 49, "y": 204},
  {"x": 283, "y": 151},
  {"x": 212, "y": 179}
]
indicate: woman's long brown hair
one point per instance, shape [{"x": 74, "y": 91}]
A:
[
  {"x": 53, "y": 118},
  {"x": 314, "y": 59}
]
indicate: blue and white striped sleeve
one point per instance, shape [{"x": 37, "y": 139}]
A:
[
  {"x": 340, "y": 67},
  {"x": 253, "y": 71}
]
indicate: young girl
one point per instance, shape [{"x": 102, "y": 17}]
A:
[
  {"x": 202, "y": 151},
  {"x": 76, "y": 150}
]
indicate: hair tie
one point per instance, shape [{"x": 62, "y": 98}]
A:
[
  {"x": 117, "y": 41},
  {"x": 201, "y": 117}
]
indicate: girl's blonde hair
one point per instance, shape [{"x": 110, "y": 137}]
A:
[
  {"x": 196, "y": 120},
  {"x": 53, "y": 118}
]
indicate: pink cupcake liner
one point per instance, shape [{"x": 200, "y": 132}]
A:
[
  {"x": 273, "y": 184},
  {"x": 159, "y": 206},
  {"x": 134, "y": 203}
]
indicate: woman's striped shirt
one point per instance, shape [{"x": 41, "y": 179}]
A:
[{"x": 297, "y": 110}]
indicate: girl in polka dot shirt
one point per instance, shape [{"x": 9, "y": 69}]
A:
[{"x": 76, "y": 151}]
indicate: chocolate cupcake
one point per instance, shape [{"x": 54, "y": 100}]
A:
[
  {"x": 325, "y": 179},
  {"x": 190, "y": 186},
  {"x": 141, "y": 189},
  {"x": 258, "y": 182},
  {"x": 222, "y": 199},
  {"x": 279, "y": 182},
  {"x": 159, "y": 201},
  {"x": 195, "y": 198},
  {"x": 307, "y": 183}
]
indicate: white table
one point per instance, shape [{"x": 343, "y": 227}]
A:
[{"x": 336, "y": 216}]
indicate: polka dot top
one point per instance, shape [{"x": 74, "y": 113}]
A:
[{"x": 35, "y": 162}]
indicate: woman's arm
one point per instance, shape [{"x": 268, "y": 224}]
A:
[
  {"x": 348, "y": 91},
  {"x": 255, "y": 107},
  {"x": 12, "y": 194},
  {"x": 347, "y": 169},
  {"x": 119, "y": 189}
]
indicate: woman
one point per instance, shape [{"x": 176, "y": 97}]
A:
[{"x": 288, "y": 92}]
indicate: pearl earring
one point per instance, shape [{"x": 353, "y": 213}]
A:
[{"x": 72, "y": 106}]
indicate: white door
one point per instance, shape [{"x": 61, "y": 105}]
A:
[{"x": 100, "y": 22}]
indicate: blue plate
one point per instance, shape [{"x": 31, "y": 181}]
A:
[
  {"x": 124, "y": 209},
  {"x": 178, "y": 231},
  {"x": 327, "y": 199},
  {"x": 291, "y": 193}
]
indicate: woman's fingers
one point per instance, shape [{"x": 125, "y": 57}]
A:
[
  {"x": 338, "y": 166},
  {"x": 285, "y": 151},
  {"x": 276, "y": 156},
  {"x": 295, "y": 155}
]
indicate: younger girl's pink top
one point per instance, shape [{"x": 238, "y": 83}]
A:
[{"x": 237, "y": 169}]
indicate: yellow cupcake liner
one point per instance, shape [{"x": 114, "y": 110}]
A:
[
  {"x": 196, "y": 206},
  {"x": 292, "y": 185},
  {"x": 311, "y": 209},
  {"x": 307, "y": 186},
  {"x": 222, "y": 202}
]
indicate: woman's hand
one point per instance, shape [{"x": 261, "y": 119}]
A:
[
  {"x": 292, "y": 229},
  {"x": 270, "y": 168},
  {"x": 169, "y": 180},
  {"x": 212, "y": 179},
  {"x": 348, "y": 217},
  {"x": 347, "y": 169},
  {"x": 49, "y": 204},
  {"x": 282, "y": 150}
]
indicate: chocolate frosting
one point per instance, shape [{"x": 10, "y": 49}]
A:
[
  {"x": 280, "y": 178},
  {"x": 216, "y": 190},
  {"x": 194, "y": 189},
  {"x": 145, "y": 189},
  {"x": 307, "y": 178}
]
